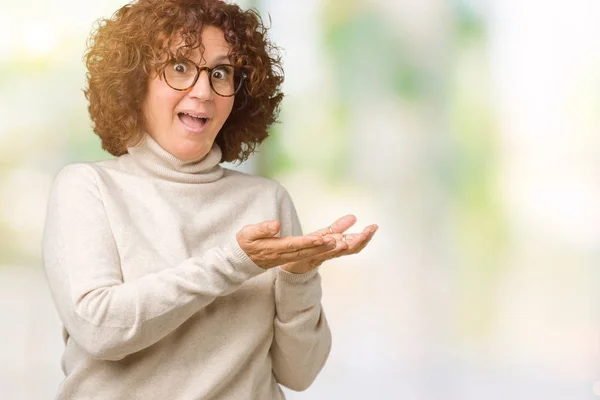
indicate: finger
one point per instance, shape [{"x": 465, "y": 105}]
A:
[
  {"x": 266, "y": 229},
  {"x": 315, "y": 260},
  {"x": 362, "y": 240},
  {"x": 339, "y": 226},
  {"x": 361, "y": 245},
  {"x": 307, "y": 253},
  {"x": 291, "y": 244},
  {"x": 338, "y": 245},
  {"x": 353, "y": 243},
  {"x": 357, "y": 241},
  {"x": 353, "y": 239}
]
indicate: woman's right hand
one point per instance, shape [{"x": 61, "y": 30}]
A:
[{"x": 258, "y": 241}]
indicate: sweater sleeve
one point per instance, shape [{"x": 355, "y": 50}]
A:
[
  {"x": 105, "y": 316},
  {"x": 302, "y": 339}
]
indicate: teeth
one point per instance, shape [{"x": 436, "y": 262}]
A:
[{"x": 195, "y": 116}]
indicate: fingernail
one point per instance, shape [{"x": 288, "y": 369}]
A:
[{"x": 318, "y": 242}]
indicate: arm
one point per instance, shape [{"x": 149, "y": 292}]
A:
[
  {"x": 302, "y": 339},
  {"x": 108, "y": 318}
]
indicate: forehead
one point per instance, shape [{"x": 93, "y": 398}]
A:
[
  {"x": 215, "y": 37},
  {"x": 212, "y": 43}
]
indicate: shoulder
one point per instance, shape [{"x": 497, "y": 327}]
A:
[
  {"x": 85, "y": 172},
  {"x": 77, "y": 181},
  {"x": 75, "y": 197},
  {"x": 73, "y": 174}
]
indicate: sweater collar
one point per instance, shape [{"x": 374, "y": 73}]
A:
[{"x": 149, "y": 159}]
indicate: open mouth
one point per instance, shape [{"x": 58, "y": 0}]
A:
[{"x": 193, "y": 122}]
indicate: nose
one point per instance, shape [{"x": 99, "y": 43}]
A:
[{"x": 202, "y": 89}]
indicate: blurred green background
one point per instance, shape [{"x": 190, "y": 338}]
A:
[{"x": 467, "y": 129}]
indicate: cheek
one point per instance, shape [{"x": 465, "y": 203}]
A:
[
  {"x": 162, "y": 102},
  {"x": 225, "y": 107}
]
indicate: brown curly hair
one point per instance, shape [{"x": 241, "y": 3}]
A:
[{"x": 124, "y": 51}]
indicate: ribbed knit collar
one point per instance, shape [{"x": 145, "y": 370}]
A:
[{"x": 149, "y": 159}]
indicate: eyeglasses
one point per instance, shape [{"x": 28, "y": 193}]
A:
[{"x": 225, "y": 79}]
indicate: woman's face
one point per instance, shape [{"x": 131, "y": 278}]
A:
[{"x": 166, "y": 111}]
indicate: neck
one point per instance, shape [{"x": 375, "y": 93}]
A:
[{"x": 149, "y": 159}]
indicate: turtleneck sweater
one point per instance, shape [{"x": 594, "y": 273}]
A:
[{"x": 156, "y": 297}]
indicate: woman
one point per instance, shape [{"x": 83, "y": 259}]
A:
[{"x": 176, "y": 278}]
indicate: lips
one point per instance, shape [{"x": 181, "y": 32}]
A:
[{"x": 194, "y": 123}]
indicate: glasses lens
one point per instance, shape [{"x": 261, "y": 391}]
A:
[
  {"x": 180, "y": 74},
  {"x": 225, "y": 80}
]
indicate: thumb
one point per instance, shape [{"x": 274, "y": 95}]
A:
[{"x": 266, "y": 229}]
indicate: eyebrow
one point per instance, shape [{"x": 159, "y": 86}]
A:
[
  {"x": 221, "y": 58},
  {"x": 216, "y": 61}
]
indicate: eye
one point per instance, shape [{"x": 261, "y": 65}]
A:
[
  {"x": 221, "y": 72},
  {"x": 181, "y": 67}
]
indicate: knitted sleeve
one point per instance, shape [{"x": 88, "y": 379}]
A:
[
  {"x": 302, "y": 339},
  {"x": 106, "y": 317}
]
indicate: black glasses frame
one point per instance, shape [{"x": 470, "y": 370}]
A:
[{"x": 199, "y": 69}]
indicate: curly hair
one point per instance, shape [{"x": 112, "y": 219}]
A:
[{"x": 125, "y": 50}]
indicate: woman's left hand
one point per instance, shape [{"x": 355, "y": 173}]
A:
[{"x": 346, "y": 244}]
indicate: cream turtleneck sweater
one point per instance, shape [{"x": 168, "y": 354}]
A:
[{"x": 158, "y": 300}]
